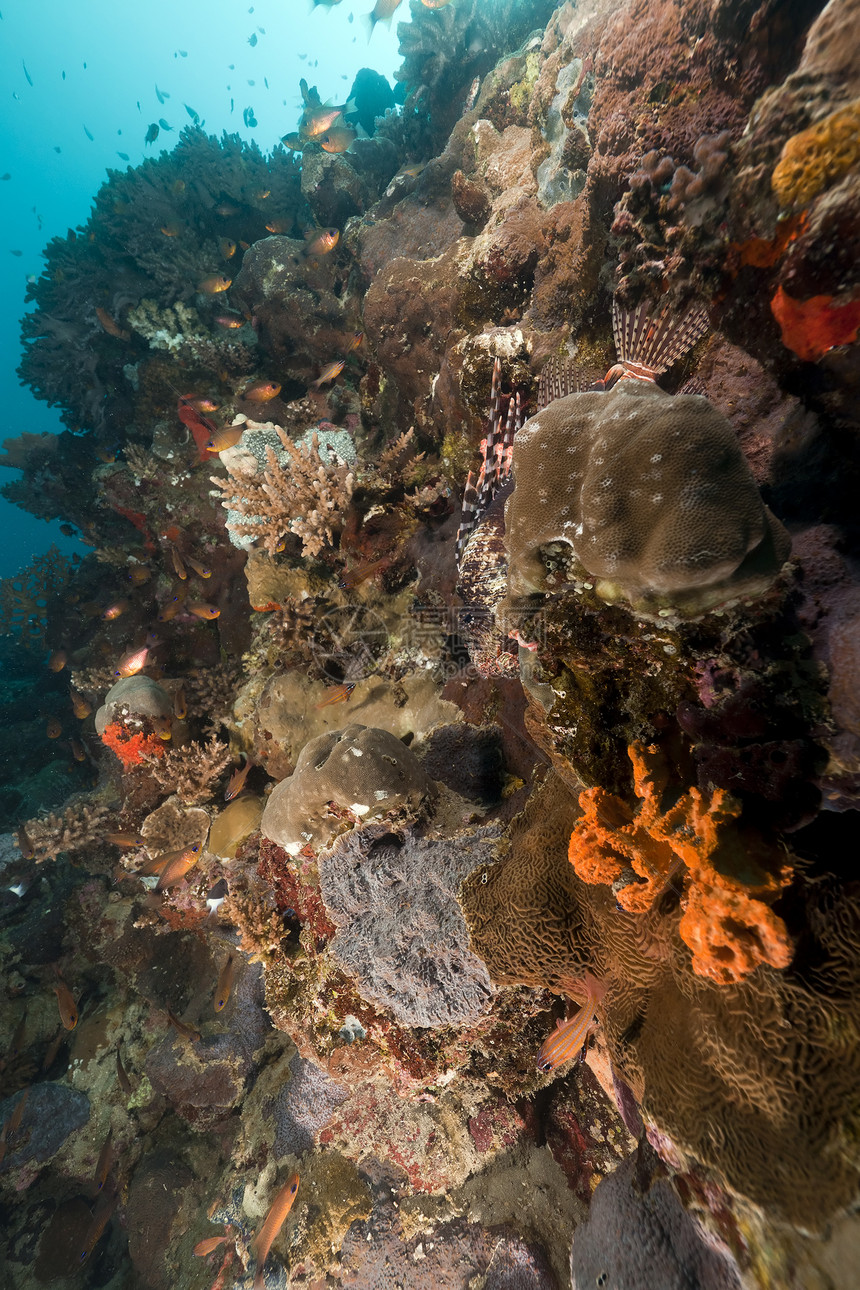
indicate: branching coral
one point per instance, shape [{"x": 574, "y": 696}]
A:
[
  {"x": 25, "y": 599},
  {"x": 190, "y": 771},
  {"x": 729, "y": 930},
  {"x": 307, "y": 498},
  {"x": 80, "y": 824}
]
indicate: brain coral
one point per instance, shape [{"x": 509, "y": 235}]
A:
[
  {"x": 645, "y": 493},
  {"x": 401, "y": 934},
  {"x": 753, "y": 1079},
  {"x": 362, "y": 770}
]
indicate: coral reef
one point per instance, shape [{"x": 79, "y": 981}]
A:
[{"x": 517, "y": 712}]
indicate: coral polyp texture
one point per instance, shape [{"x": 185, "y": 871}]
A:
[
  {"x": 644, "y": 494},
  {"x": 438, "y": 776}
]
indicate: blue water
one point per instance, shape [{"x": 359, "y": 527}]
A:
[{"x": 94, "y": 66}]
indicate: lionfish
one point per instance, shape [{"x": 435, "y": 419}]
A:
[{"x": 647, "y": 347}]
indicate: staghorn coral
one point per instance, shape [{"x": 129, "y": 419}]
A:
[
  {"x": 209, "y": 693},
  {"x": 728, "y": 928},
  {"x": 654, "y": 504},
  {"x": 307, "y": 498},
  {"x": 79, "y": 825},
  {"x": 818, "y": 156},
  {"x": 190, "y": 771}
]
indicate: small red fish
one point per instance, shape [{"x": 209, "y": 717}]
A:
[
  {"x": 178, "y": 867},
  {"x": 80, "y": 706},
  {"x": 215, "y": 284},
  {"x": 275, "y": 1219},
  {"x": 339, "y": 694},
  {"x": 225, "y": 984},
  {"x": 66, "y": 1003},
  {"x": 124, "y": 839},
  {"x": 262, "y": 391},
  {"x": 101, "y": 1217},
  {"x": 237, "y": 780},
  {"x": 110, "y": 324},
  {"x": 105, "y": 1160},
  {"x": 181, "y": 571},
  {"x": 124, "y": 1081},
  {"x": 186, "y": 1031},
  {"x": 202, "y": 1248},
  {"x": 569, "y": 1037}
]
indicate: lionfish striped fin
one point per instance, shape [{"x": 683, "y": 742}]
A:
[
  {"x": 496, "y": 453},
  {"x": 557, "y": 380},
  {"x": 655, "y": 342}
]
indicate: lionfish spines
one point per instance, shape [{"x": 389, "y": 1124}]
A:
[
  {"x": 647, "y": 345},
  {"x": 558, "y": 378},
  {"x": 496, "y": 458}
]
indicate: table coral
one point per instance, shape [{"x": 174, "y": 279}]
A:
[{"x": 818, "y": 156}]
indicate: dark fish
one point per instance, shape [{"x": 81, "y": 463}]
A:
[
  {"x": 124, "y": 156},
  {"x": 252, "y": 40},
  {"x": 187, "y": 1032},
  {"x": 101, "y": 1217},
  {"x": 124, "y": 1081},
  {"x": 195, "y": 116},
  {"x": 151, "y": 133},
  {"x": 66, "y": 1003},
  {"x": 164, "y": 124},
  {"x": 161, "y": 95},
  {"x": 89, "y": 136},
  {"x": 105, "y": 1161},
  {"x": 26, "y": 73}
]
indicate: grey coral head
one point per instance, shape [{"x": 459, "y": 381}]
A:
[
  {"x": 401, "y": 933},
  {"x": 645, "y": 495}
]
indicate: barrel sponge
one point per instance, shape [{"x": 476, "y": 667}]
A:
[
  {"x": 644, "y": 493},
  {"x": 755, "y": 1079},
  {"x": 401, "y": 935},
  {"x": 363, "y": 771}
]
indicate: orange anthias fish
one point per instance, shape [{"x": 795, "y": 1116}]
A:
[
  {"x": 237, "y": 780},
  {"x": 200, "y": 569},
  {"x": 66, "y": 1003},
  {"x": 132, "y": 662},
  {"x": 225, "y": 984},
  {"x": 211, "y": 286},
  {"x": 178, "y": 867},
  {"x": 338, "y": 139},
  {"x": 569, "y": 1037},
  {"x": 110, "y": 324},
  {"x": 204, "y": 611},
  {"x": 262, "y": 391},
  {"x": 329, "y": 373},
  {"x": 322, "y": 243},
  {"x": 275, "y": 1218},
  {"x": 383, "y": 11}
]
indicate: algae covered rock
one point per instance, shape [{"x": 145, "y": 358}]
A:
[
  {"x": 643, "y": 494},
  {"x": 364, "y": 771}
]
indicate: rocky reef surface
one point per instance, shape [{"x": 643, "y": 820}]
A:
[{"x": 463, "y": 682}]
